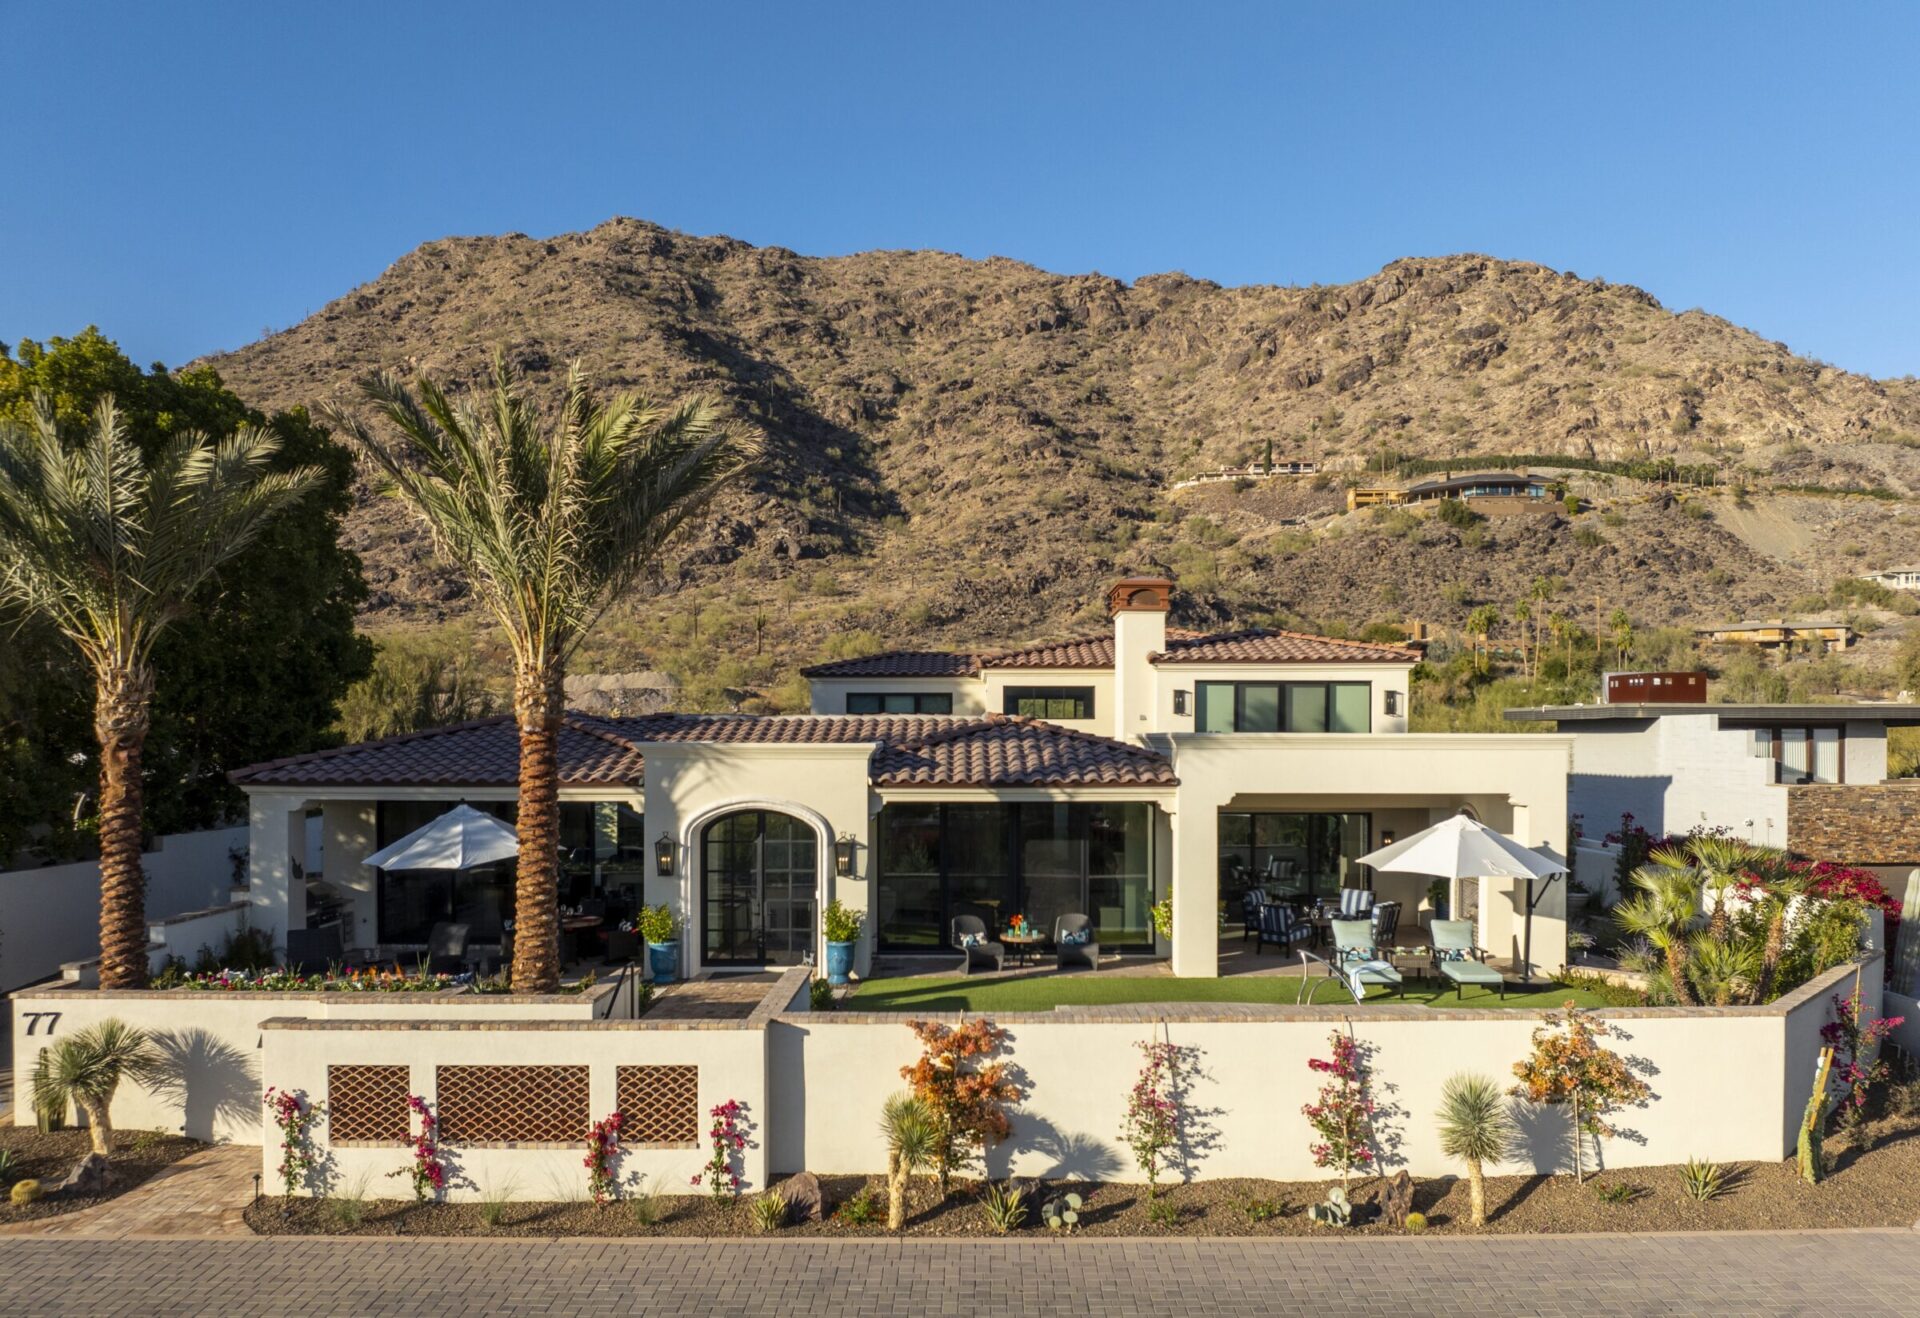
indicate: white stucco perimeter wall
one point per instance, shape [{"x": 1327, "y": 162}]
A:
[{"x": 1729, "y": 1085}]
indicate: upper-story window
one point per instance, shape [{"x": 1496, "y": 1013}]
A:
[
  {"x": 1802, "y": 755},
  {"x": 1050, "y": 702},
  {"x": 899, "y": 702},
  {"x": 1284, "y": 707}
]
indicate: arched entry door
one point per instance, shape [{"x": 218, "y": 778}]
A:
[{"x": 759, "y": 871}]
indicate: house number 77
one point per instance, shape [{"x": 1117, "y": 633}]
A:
[{"x": 33, "y": 1018}]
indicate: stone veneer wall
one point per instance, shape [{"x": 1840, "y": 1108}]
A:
[{"x": 1866, "y": 824}]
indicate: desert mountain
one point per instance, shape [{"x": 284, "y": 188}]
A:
[{"x": 963, "y": 449}]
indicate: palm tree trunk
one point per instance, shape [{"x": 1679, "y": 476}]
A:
[
  {"x": 1477, "y": 1191},
  {"x": 1677, "y": 971},
  {"x": 537, "y": 705},
  {"x": 1770, "y": 955},
  {"x": 99, "y": 1123},
  {"x": 122, "y": 711}
]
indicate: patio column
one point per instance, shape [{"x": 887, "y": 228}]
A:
[
  {"x": 276, "y": 836},
  {"x": 1196, "y": 892}
]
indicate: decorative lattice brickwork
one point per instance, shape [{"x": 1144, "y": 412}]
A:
[
  {"x": 513, "y": 1104},
  {"x": 660, "y": 1104},
  {"x": 367, "y": 1104}
]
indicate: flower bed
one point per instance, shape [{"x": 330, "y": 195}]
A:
[{"x": 281, "y": 980}]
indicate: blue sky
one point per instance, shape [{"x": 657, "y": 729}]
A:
[{"x": 189, "y": 176}]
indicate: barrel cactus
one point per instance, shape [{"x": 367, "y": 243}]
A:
[{"x": 27, "y": 1191}]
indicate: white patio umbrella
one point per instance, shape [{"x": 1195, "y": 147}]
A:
[
  {"x": 1464, "y": 848},
  {"x": 460, "y": 839}
]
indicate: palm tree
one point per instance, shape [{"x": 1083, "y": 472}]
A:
[
  {"x": 1723, "y": 862},
  {"x": 907, "y": 1124},
  {"x": 1480, "y": 625},
  {"x": 1665, "y": 912},
  {"x": 1722, "y": 970},
  {"x": 86, "y": 1068},
  {"x": 1783, "y": 886},
  {"x": 1523, "y": 614},
  {"x": 109, "y": 547},
  {"x": 550, "y": 520},
  {"x": 1476, "y": 1126}
]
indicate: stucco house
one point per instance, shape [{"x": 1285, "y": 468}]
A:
[{"x": 1095, "y": 774}]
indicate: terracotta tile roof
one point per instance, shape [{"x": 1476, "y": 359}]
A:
[
  {"x": 899, "y": 663},
  {"x": 913, "y": 750},
  {"x": 1086, "y": 652},
  {"x": 483, "y": 753},
  {"x": 1258, "y": 646}
]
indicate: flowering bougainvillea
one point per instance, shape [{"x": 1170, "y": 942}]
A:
[
  {"x": 1857, "y": 1064},
  {"x": 1342, "y": 1116},
  {"x": 967, "y": 1091},
  {"x": 1155, "y": 1113},
  {"x": 726, "y": 1138},
  {"x": 603, "y": 1148},
  {"x": 294, "y": 1116},
  {"x": 1569, "y": 1065},
  {"x": 428, "y": 1169}
]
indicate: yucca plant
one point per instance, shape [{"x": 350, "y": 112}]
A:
[
  {"x": 86, "y": 1069},
  {"x": 1665, "y": 912},
  {"x": 912, "y": 1135},
  {"x": 109, "y": 547},
  {"x": 1477, "y": 1127},
  {"x": 549, "y": 520},
  {"x": 1703, "y": 1180}
]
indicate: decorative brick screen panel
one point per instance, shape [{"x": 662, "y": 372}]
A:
[
  {"x": 660, "y": 1104},
  {"x": 367, "y": 1104},
  {"x": 513, "y": 1104}
]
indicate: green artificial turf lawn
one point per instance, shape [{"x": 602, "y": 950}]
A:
[{"x": 1045, "y": 992}]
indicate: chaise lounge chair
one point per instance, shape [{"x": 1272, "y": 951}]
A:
[
  {"x": 1355, "y": 960},
  {"x": 1460, "y": 961},
  {"x": 970, "y": 936}
]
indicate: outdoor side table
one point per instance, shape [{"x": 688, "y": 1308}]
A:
[{"x": 1022, "y": 949}]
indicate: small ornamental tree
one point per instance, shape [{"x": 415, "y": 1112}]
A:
[
  {"x": 293, "y": 1116},
  {"x": 1857, "y": 1064},
  {"x": 1342, "y": 1116},
  {"x": 1155, "y": 1114},
  {"x": 1569, "y": 1065},
  {"x": 967, "y": 1092},
  {"x": 725, "y": 1139},
  {"x": 428, "y": 1168},
  {"x": 603, "y": 1147}
]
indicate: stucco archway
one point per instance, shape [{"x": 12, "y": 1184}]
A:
[{"x": 693, "y": 833}]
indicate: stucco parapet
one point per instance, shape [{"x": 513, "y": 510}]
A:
[
  {"x": 457, "y": 997},
  {"x": 779, "y": 997},
  {"x": 323, "y": 1025}
]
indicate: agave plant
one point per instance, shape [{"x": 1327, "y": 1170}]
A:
[
  {"x": 86, "y": 1069},
  {"x": 1477, "y": 1127}
]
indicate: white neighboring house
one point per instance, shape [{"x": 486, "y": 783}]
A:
[
  {"x": 1896, "y": 578},
  {"x": 1091, "y": 775},
  {"x": 1677, "y": 766}
]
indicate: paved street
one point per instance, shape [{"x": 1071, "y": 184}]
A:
[{"x": 1856, "y": 1273}]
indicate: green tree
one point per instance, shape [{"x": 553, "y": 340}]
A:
[
  {"x": 550, "y": 519},
  {"x": 110, "y": 548},
  {"x": 1620, "y": 626},
  {"x": 254, "y": 672}
]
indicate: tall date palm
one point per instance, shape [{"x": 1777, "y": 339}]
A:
[
  {"x": 109, "y": 547},
  {"x": 549, "y": 519}
]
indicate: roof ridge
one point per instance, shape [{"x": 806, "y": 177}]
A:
[
  {"x": 592, "y": 725},
  {"x": 1260, "y": 633},
  {"x": 968, "y": 725},
  {"x": 392, "y": 739}
]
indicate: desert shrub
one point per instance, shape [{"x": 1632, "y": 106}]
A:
[
  {"x": 1005, "y": 1206},
  {"x": 1703, "y": 1181},
  {"x": 966, "y": 1092},
  {"x": 862, "y": 1208}
]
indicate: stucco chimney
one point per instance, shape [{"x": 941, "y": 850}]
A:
[{"x": 1138, "y": 606}]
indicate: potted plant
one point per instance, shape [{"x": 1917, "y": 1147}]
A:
[
  {"x": 661, "y": 928},
  {"x": 843, "y": 933},
  {"x": 1437, "y": 898}
]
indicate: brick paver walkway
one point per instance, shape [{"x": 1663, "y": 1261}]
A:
[
  {"x": 203, "y": 1194},
  {"x": 1856, "y": 1273}
]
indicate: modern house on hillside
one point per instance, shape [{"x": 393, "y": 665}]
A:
[
  {"x": 1778, "y": 633},
  {"x": 1092, "y": 775},
  {"x": 1896, "y": 578},
  {"x": 1492, "y": 491}
]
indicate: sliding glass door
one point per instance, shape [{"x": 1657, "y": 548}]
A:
[{"x": 1291, "y": 853}]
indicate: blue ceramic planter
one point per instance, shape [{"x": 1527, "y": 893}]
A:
[
  {"x": 665, "y": 960},
  {"x": 839, "y": 962}
]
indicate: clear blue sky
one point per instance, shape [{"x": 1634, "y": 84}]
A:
[{"x": 187, "y": 176}]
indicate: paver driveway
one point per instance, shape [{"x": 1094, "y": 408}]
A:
[{"x": 1867, "y": 1272}]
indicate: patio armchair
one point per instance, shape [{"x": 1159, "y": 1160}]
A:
[
  {"x": 1455, "y": 957},
  {"x": 1355, "y": 903},
  {"x": 447, "y": 949},
  {"x": 1279, "y": 924},
  {"x": 1386, "y": 923},
  {"x": 1074, "y": 943},
  {"x": 1250, "y": 902},
  {"x": 970, "y": 936},
  {"x": 316, "y": 951},
  {"x": 1354, "y": 956}
]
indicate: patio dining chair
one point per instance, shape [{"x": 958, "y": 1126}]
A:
[
  {"x": 970, "y": 936},
  {"x": 1250, "y": 902},
  {"x": 1355, "y": 903},
  {"x": 1355, "y": 957},
  {"x": 1386, "y": 923},
  {"x": 1280, "y": 925},
  {"x": 1455, "y": 956},
  {"x": 447, "y": 949},
  {"x": 1074, "y": 945}
]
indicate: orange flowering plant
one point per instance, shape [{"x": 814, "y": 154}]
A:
[
  {"x": 967, "y": 1090},
  {"x": 1569, "y": 1065}
]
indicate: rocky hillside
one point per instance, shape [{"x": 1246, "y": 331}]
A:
[{"x": 967, "y": 449}]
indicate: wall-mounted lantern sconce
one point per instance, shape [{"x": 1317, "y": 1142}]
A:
[
  {"x": 663, "y": 857},
  {"x": 843, "y": 851},
  {"x": 1386, "y": 837}
]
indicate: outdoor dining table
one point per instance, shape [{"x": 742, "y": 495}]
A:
[
  {"x": 1023, "y": 948},
  {"x": 571, "y": 927}
]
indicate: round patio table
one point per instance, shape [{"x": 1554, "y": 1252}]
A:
[{"x": 1022, "y": 948}]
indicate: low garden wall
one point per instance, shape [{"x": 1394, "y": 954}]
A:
[{"x": 210, "y": 1041}]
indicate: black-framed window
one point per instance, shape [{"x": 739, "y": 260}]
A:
[
  {"x": 1803, "y": 754},
  {"x": 899, "y": 702},
  {"x": 1284, "y": 707},
  {"x": 1291, "y": 854},
  {"x": 1050, "y": 702},
  {"x": 997, "y": 860}
]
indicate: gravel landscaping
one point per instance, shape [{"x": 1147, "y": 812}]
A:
[
  {"x": 48, "y": 1158},
  {"x": 1876, "y": 1185}
]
